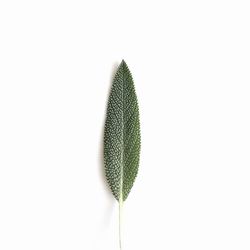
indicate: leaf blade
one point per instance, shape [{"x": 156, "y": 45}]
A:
[{"x": 122, "y": 134}]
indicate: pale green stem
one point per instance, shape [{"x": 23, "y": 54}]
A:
[{"x": 120, "y": 223}]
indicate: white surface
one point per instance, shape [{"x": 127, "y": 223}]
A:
[{"x": 191, "y": 65}]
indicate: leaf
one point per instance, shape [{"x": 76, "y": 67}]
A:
[{"x": 122, "y": 135}]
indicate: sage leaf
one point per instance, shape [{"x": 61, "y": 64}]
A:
[
  {"x": 122, "y": 140},
  {"x": 122, "y": 134}
]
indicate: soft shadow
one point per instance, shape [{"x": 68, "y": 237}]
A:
[{"x": 111, "y": 200}]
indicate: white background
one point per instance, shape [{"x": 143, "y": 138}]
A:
[{"x": 191, "y": 64}]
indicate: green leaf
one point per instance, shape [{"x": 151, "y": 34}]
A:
[{"x": 122, "y": 134}]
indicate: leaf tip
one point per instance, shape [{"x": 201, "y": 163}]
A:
[{"x": 123, "y": 62}]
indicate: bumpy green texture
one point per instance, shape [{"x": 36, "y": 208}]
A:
[{"x": 122, "y": 134}]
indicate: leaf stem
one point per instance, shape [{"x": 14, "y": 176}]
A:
[{"x": 120, "y": 222}]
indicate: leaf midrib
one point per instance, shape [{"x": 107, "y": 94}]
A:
[{"x": 122, "y": 147}]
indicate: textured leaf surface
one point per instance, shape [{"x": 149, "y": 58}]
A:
[{"x": 122, "y": 134}]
